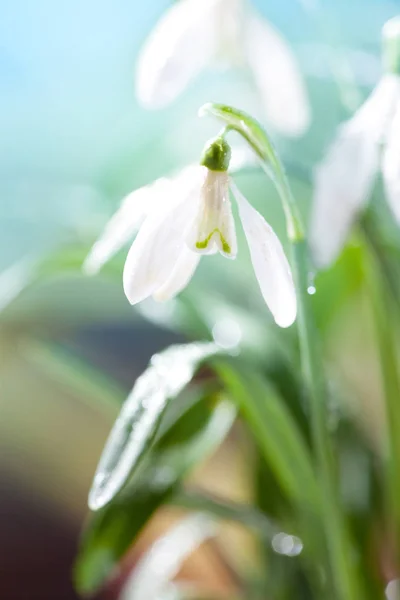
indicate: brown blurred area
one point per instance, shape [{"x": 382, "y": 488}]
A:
[
  {"x": 37, "y": 546},
  {"x": 52, "y": 432}
]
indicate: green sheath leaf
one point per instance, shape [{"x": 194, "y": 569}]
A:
[{"x": 248, "y": 128}]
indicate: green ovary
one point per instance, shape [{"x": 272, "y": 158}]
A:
[{"x": 204, "y": 243}]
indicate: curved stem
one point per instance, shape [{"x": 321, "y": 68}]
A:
[
  {"x": 254, "y": 134},
  {"x": 294, "y": 225}
]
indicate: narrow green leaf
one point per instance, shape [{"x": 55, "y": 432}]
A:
[
  {"x": 269, "y": 496},
  {"x": 89, "y": 383},
  {"x": 278, "y": 436},
  {"x": 111, "y": 530},
  {"x": 134, "y": 430},
  {"x": 247, "y": 515}
]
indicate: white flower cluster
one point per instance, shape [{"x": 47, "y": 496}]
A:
[{"x": 183, "y": 217}]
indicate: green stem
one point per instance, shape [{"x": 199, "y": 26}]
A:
[
  {"x": 380, "y": 281},
  {"x": 294, "y": 225},
  {"x": 338, "y": 542},
  {"x": 373, "y": 237}
]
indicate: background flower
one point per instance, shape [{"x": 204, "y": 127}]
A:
[
  {"x": 194, "y": 35},
  {"x": 345, "y": 179}
]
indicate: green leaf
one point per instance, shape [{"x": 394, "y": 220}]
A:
[
  {"x": 247, "y": 515},
  {"x": 111, "y": 530},
  {"x": 278, "y": 436},
  {"x": 269, "y": 496},
  {"x": 134, "y": 430},
  {"x": 73, "y": 373}
]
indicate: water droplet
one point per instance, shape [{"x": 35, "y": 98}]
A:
[
  {"x": 311, "y": 289},
  {"x": 289, "y": 545},
  {"x": 164, "y": 476},
  {"x": 97, "y": 498},
  {"x": 227, "y": 333},
  {"x": 161, "y": 313},
  {"x": 100, "y": 479}
]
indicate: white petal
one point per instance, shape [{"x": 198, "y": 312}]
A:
[
  {"x": 181, "y": 45},
  {"x": 377, "y": 112},
  {"x": 182, "y": 273},
  {"x": 133, "y": 210},
  {"x": 158, "y": 245},
  {"x": 277, "y": 76},
  {"x": 344, "y": 179},
  {"x": 124, "y": 223},
  {"x": 269, "y": 261},
  {"x": 342, "y": 184},
  {"x": 391, "y": 167},
  {"x": 213, "y": 227},
  {"x": 151, "y": 577}
]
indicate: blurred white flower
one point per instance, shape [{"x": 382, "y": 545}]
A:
[
  {"x": 185, "y": 217},
  {"x": 365, "y": 144},
  {"x": 194, "y": 34},
  {"x": 393, "y": 589},
  {"x": 152, "y": 576}
]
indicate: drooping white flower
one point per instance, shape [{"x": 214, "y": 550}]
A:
[
  {"x": 194, "y": 34},
  {"x": 188, "y": 216},
  {"x": 365, "y": 144}
]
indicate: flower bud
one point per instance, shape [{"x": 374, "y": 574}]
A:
[
  {"x": 391, "y": 46},
  {"x": 216, "y": 154}
]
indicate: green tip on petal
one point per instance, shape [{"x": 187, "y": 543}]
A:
[
  {"x": 203, "y": 244},
  {"x": 391, "y": 46},
  {"x": 216, "y": 154}
]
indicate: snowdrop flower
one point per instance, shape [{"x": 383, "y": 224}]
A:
[
  {"x": 184, "y": 218},
  {"x": 193, "y": 34},
  {"x": 365, "y": 144}
]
